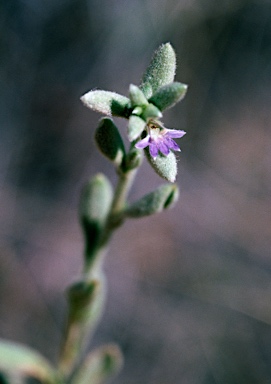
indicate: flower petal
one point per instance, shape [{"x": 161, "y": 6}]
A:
[
  {"x": 143, "y": 143},
  {"x": 153, "y": 150},
  {"x": 162, "y": 146},
  {"x": 159, "y": 139},
  {"x": 171, "y": 144},
  {"x": 175, "y": 133}
]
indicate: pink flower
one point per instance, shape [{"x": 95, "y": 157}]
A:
[{"x": 160, "y": 139}]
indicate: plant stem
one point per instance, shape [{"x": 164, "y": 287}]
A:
[
  {"x": 123, "y": 187},
  {"x": 80, "y": 328}
]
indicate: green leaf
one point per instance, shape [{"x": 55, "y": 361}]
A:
[
  {"x": 164, "y": 166},
  {"x": 132, "y": 160},
  {"x": 20, "y": 359},
  {"x": 96, "y": 199},
  {"x": 108, "y": 103},
  {"x": 81, "y": 295},
  {"x": 109, "y": 141},
  {"x": 161, "y": 70},
  {"x": 137, "y": 111},
  {"x": 168, "y": 95},
  {"x": 5, "y": 379},
  {"x": 95, "y": 204},
  {"x": 146, "y": 88},
  {"x": 135, "y": 127},
  {"x": 137, "y": 97},
  {"x": 162, "y": 198},
  {"x": 86, "y": 299},
  {"x": 99, "y": 366},
  {"x": 151, "y": 112}
]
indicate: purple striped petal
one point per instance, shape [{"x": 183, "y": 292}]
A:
[
  {"x": 162, "y": 146},
  {"x": 159, "y": 139},
  {"x": 143, "y": 143},
  {"x": 153, "y": 150},
  {"x": 171, "y": 144},
  {"x": 175, "y": 133}
]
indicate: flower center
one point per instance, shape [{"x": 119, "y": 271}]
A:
[{"x": 155, "y": 129}]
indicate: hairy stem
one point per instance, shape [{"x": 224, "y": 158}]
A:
[
  {"x": 123, "y": 187},
  {"x": 82, "y": 321}
]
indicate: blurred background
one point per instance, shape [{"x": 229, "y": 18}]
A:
[{"x": 189, "y": 291}]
